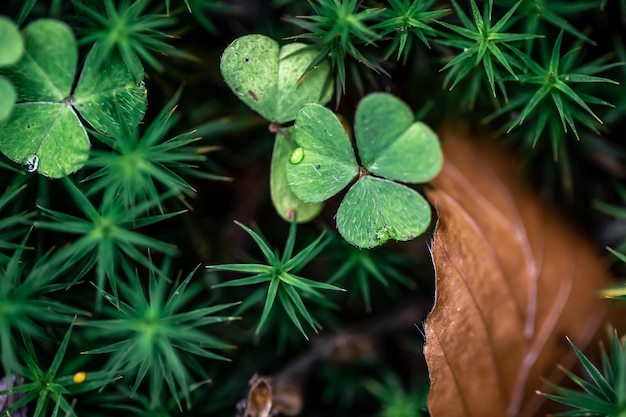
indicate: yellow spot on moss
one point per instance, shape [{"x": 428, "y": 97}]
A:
[{"x": 79, "y": 377}]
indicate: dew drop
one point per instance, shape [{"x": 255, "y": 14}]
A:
[
  {"x": 382, "y": 235},
  {"x": 32, "y": 163},
  {"x": 297, "y": 155}
]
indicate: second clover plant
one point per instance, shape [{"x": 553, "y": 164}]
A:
[
  {"x": 314, "y": 160},
  {"x": 391, "y": 147}
]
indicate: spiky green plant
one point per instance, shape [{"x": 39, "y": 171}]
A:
[
  {"x": 534, "y": 14},
  {"x": 50, "y": 391},
  {"x": 483, "y": 44},
  {"x": 137, "y": 163},
  {"x": 156, "y": 335},
  {"x": 26, "y": 302},
  {"x": 280, "y": 273},
  {"x": 338, "y": 30},
  {"x": 107, "y": 239},
  {"x": 603, "y": 391},
  {"x": 558, "y": 102},
  {"x": 127, "y": 29},
  {"x": 358, "y": 269},
  {"x": 9, "y": 223},
  {"x": 396, "y": 401},
  {"x": 406, "y": 20}
]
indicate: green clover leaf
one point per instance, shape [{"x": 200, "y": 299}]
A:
[
  {"x": 375, "y": 210},
  {"x": 391, "y": 147},
  {"x": 269, "y": 79},
  {"x": 285, "y": 201},
  {"x": 326, "y": 161},
  {"x": 99, "y": 94},
  {"x": 386, "y": 135},
  {"x": 44, "y": 132},
  {"x": 7, "y": 98},
  {"x": 11, "y": 41},
  {"x": 11, "y": 51}
]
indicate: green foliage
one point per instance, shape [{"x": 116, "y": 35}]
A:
[
  {"x": 79, "y": 109},
  {"x": 407, "y": 20},
  {"x": 44, "y": 132},
  {"x": 280, "y": 274},
  {"x": 46, "y": 387},
  {"x": 141, "y": 405},
  {"x": 359, "y": 269},
  {"x": 267, "y": 78},
  {"x": 482, "y": 44},
  {"x": 24, "y": 294},
  {"x": 127, "y": 30},
  {"x": 107, "y": 240},
  {"x": 287, "y": 205},
  {"x": 604, "y": 393},
  {"x": 535, "y": 13},
  {"x": 135, "y": 164},
  {"x": 395, "y": 400},
  {"x": 12, "y": 50},
  {"x": 8, "y": 230},
  {"x": 390, "y": 145},
  {"x": 155, "y": 337},
  {"x": 337, "y": 29},
  {"x": 557, "y": 103}
]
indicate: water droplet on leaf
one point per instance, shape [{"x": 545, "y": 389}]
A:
[
  {"x": 382, "y": 235},
  {"x": 297, "y": 155},
  {"x": 32, "y": 163}
]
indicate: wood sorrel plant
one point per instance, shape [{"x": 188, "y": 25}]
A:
[{"x": 121, "y": 120}]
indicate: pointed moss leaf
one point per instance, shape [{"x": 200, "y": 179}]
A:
[
  {"x": 375, "y": 210},
  {"x": 100, "y": 95},
  {"x": 47, "y": 68},
  {"x": 266, "y": 77},
  {"x": 11, "y": 41},
  {"x": 285, "y": 201},
  {"x": 393, "y": 146},
  {"x": 326, "y": 161},
  {"x": 7, "y": 98},
  {"x": 45, "y": 137}
]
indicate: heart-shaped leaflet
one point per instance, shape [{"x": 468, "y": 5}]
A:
[{"x": 269, "y": 79}]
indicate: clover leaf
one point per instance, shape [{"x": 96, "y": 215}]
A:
[
  {"x": 391, "y": 147},
  {"x": 268, "y": 78},
  {"x": 44, "y": 131},
  {"x": 285, "y": 201},
  {"x": 11, "y": 51},
  {"x": 375, "y": 210}
]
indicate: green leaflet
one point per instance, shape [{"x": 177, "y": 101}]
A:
[
  {"x": 391, "y": 146},
  {"x": 44, "y": 132}
]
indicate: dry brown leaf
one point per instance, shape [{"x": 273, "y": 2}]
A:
[{"x": 513, "y": 279}]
